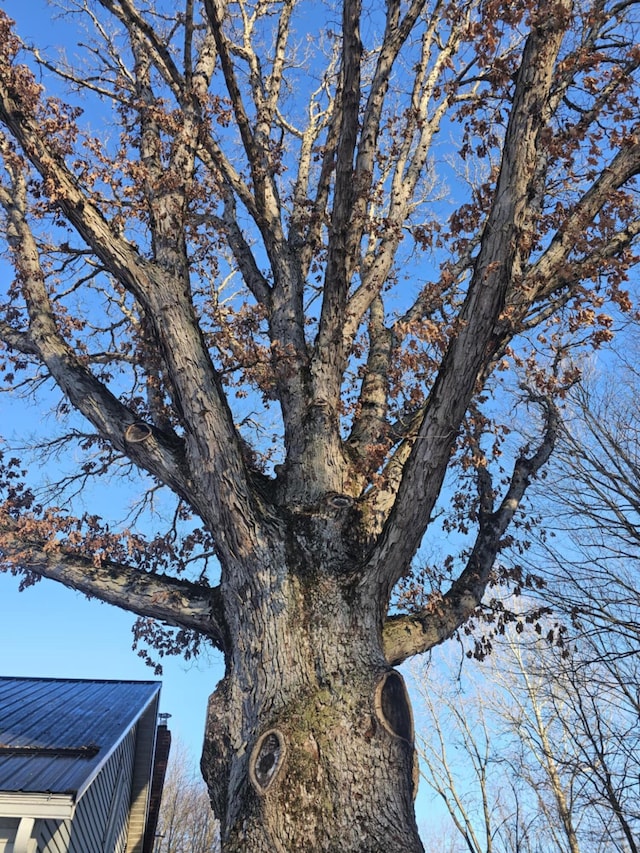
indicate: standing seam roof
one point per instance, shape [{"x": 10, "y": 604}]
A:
[{"x": 54, "y": 733}]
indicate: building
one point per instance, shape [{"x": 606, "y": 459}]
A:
[{"x": 77, "y": 763}]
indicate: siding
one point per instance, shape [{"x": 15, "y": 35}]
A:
[
  {"x": 53, "y": 836},
  {"x": 100, "y": 820},
  {"x": 141, "y": 782},
  {"x": 8, "y": 829}
]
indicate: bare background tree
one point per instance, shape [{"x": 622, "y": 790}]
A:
[
  {"x": 535, "y": 749},
  {"x": 551, "y": 730},
  {"x": 591, "y": 498},
  {"x": 186, "y": 823},
  {"x": 267, "y": 293}
]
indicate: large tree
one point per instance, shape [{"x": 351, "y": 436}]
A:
[{"x": 266, "y": 222}]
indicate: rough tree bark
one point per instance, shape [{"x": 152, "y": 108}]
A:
[
  {"x": 307, "y": 733},
  {"x": 309, "y": 740}
]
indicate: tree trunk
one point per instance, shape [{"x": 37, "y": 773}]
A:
[{"x": 309, "y": 738}]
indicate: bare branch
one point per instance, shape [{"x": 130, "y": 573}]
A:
[
  {"x": 126, "y": 12},
  {"x": 493, "y": 275},
  {"x": 169, "y": 599},
  {"x": 17, "y": 340},
  {"x": 407, "y": 635},
  {"x": 266, "y": 204},
  {"x": 244, "y": 257}
]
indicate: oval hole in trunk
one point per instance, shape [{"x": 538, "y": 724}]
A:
[
  {"x": 137, "y": 432},
  {"x": 267, "y": 759},
  {"x": 393, "y": 707}
]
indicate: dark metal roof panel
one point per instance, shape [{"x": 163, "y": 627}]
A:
[{"x": 54, "y": 733}]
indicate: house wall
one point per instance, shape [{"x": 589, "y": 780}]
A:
[
  {"x": 8, "y": 829},
  {"x": 141, "y": 781},
  {"x": 53, "y": 836},
  {"x": 100, "y": 821},
  {"x": 15, "y": 834}
]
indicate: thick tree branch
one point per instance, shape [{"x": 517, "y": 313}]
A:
[
  {"x": 411, "y": 634},
  {"x": 286, "y": 314},
  {"x": 339, "y": 264},
  {"x": 273, "y": 82},
  {"x": 370, "y": 425},
  {"x": 315, "y": 218},
  {"x": 172, "y": 600},
  {"x": 17, "y": 340},
  {"x": 161, "y": 455},
  {"x": 396, "y": 33},
  {"x": 212, "y": 442},
  {"x": 420, "y": 124},
  {"x": 467, "y": 353},
  {"x": 307, "y": 216}
]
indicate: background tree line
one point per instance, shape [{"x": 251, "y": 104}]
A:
[{"x": 537, "y": 748}]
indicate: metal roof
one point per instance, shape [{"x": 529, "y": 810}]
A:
[{"x": 55, "y": 733}]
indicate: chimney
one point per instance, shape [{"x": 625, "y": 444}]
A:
[{"x": 160, "y": 760}]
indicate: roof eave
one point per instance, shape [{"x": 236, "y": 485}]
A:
[{"x": 22, "y": 804}]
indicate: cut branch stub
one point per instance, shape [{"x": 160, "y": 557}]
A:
[
  {"x": 393, "y": 707},
  {"x": 267, "y": 760},
  {"x": 339, "y": 501},
  {"x": 137, "y": 432}
]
